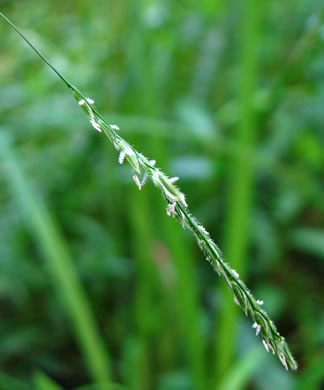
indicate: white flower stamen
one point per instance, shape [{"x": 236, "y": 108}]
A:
[
  {"x": 265, "y": 345},
  {"x": 121, "y": 157},
  {"x": 114, "y": 127},
  {"x": 173, "y": 179},
  {"x": 283, "y": 360},
  {"x": 90, "y": 101},
  {"x": 137, "y": 182},
  {"x": 257, "y": 328},
  {"x": 203, "y": 230},
  {"x": 171, "y": 209},
  {"x": 152, "y": 162},
  {"x": 259, "y": 302},
  {"x": 95, "y": 125},
  {"x": 81, "y": 102},
  {"x": 236, "y": 274}
]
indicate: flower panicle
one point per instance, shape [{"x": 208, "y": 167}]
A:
[{"x": 177, "y": 208}]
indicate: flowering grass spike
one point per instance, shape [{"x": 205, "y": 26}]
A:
[{"x": 177, "y": 208}]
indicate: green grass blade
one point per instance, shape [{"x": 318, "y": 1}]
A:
[
  {"x": 8, "y": 382},
  {"x": 312, "y": 377},
  {"x": 238, "y": 376},
  {"x": 186, "y": 298},
  {"x": 43, "y": 382},
  {"x": 60, "y": 264},
  {"x": 110, "y": 386},
  {"x": 146, "y": 280},
  {"x": 240, "y": 184},
  {"x": 152, "y": 92}
]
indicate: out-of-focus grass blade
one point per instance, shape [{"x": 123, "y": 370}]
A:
[
  {"x": 237, "y": 377},
  {"x": 312, "y": 377},
  {"x": 60, "y": 265},
  {"x": 309, "y": 240},
  {"x": 7, "y": 382},
  {"x": 241, "y": 183},
  {"x": 110, "y": 386},
  {"x": 43, "y": 382}
]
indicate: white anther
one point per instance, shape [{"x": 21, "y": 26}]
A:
[
  {"x": 171, "y": 209},
  {"x": 81, "y": 102},
  {"x": 95, "y": 125},
  {"x": 152, "y": 162},
  {"x": 90, "y": 101},
  {"x": 173, "y": 179},
  {"x": 203, "y": 230},
  {"x": 259, "y": 302},
  {"x": 257, "y": 328},
  {"x": 265, "y": 345},
  {"x": 121, "y": 157},
  {"x": 283, "y": 360},
  {"x": 137, "y": 182},
  {"x": 114, "y": 127},
  {"x": 236, "y": 274}
]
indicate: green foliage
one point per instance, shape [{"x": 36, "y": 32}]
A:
[
  {"x": 168, "y": 73},
  {"x": 43, "y": 382},
  {"x": 55, "y": 251}
]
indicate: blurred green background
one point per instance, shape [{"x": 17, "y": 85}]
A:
[{"x": 99, "y": 289}]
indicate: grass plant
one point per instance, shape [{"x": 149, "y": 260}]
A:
[{"x": 177, "y": 208}]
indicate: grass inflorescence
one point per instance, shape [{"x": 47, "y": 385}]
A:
[{"x": 177, "y": 208}]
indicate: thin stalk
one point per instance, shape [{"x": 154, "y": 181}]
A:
[
  {"x": 177, "y": 208},
  {"x": 240, "y": 185},
  {"x": 146, "y": 282}
]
